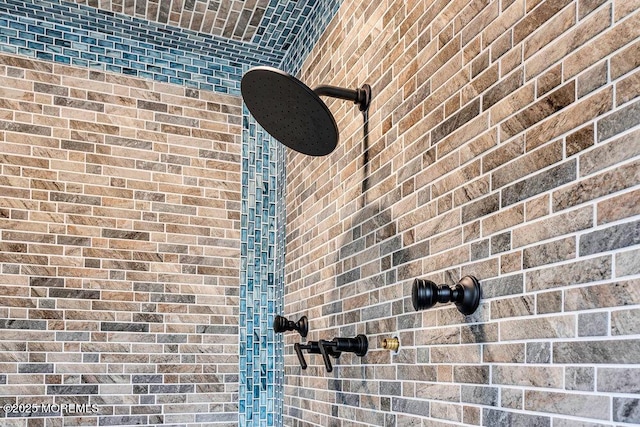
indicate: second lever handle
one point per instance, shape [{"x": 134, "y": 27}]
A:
[
  {"x": 321, "y": 347},
  {"x": 358, "y": 345}
]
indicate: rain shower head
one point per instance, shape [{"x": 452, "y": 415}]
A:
[{"x": 293, "y": 113}]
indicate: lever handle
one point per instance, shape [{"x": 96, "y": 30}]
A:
[
  {"x": 298, "y": 348},
  {"x": 334, "y": 348},
  {"x": 325, "y": 355}
]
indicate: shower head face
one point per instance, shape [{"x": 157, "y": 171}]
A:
[{"x": 289, "y": 111}]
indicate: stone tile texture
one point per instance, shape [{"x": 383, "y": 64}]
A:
[
  {"x": 502, "y": 142},
  {"x": 119, "y": 222}
]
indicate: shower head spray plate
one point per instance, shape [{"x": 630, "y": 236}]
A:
[{"x": 289, "y": 111}]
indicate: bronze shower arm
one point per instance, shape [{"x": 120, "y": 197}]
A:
[{"x": 361, "y": 96}]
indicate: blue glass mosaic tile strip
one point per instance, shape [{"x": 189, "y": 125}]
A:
[
  {"x": 259, "y": 149},
  {"x": 261, "y": 388},
  {"x": 282, "y": 22},
  {"x": 318, "y": 18},
  {"x": 79, "y": 35}
]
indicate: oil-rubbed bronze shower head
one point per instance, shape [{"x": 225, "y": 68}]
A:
[{"x": 293, "y": 113}]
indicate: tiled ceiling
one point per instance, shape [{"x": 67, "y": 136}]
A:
[
  {"x": 232, "y": 19},
  {"x": 119, "y": 36}
]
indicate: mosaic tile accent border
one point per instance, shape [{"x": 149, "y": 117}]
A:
[
  {"x": 262, "y": 402},
  {"x": 234, "y": 19},
  {"x": 75, "y": 34},
  {"x": 261, "y": 388},
  {"x": 282, "y": 23},
  {"x": 319, "y": 18}
]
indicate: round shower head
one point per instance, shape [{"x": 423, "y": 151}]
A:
[{"x": 289, "y": 111}]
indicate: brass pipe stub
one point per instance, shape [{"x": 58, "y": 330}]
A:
[{"x": 391, "y": 344}]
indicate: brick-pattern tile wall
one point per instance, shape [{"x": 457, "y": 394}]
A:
[
  {"x": 503, "y": 142},
  {"x": 119, "y": 251}
]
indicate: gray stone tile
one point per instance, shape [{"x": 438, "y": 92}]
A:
[
  {"x": 498, "y": 417},
  {"x": 625, "y": 322},
  {"x": 502, "y": 286},
  {"x": 480, "y": 395},
  {"x": 619, "y": 121},
  {"x": 511, "y": 398},
  {"x": 410, "y": 406},
  {"x": 595, "y": 352},
  {"x": 538, "y": 352},
  {"x": 627, "y": 263},
  {"x": 593, "y": 324},
  {"x": 579, "y": 378},
  {"x": 583, "y": 405},
  {"x": 619, "y": 380},
  {"x": 539, "y": 183},
  {"x": 610, "y": 238},
  {"x": 626, "y": 410}
]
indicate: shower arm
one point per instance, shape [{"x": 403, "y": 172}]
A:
[{"x": 361, "y": 96}]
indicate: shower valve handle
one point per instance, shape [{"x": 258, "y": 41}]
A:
[
  {"x": 321, "y": 347},
  {"x": 358, "y": 345},
  {"x": 298, "y": 348},
  {"x": 326, "y": 349},
  {"x": 334, "y": 348},
  {"x": 282, "y": 324}
]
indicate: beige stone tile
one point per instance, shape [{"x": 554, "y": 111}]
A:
[
  {"x": 570, "y": 118},
  {"x": 543, "y": 26},
  {"x": 565, "y": 44}
]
